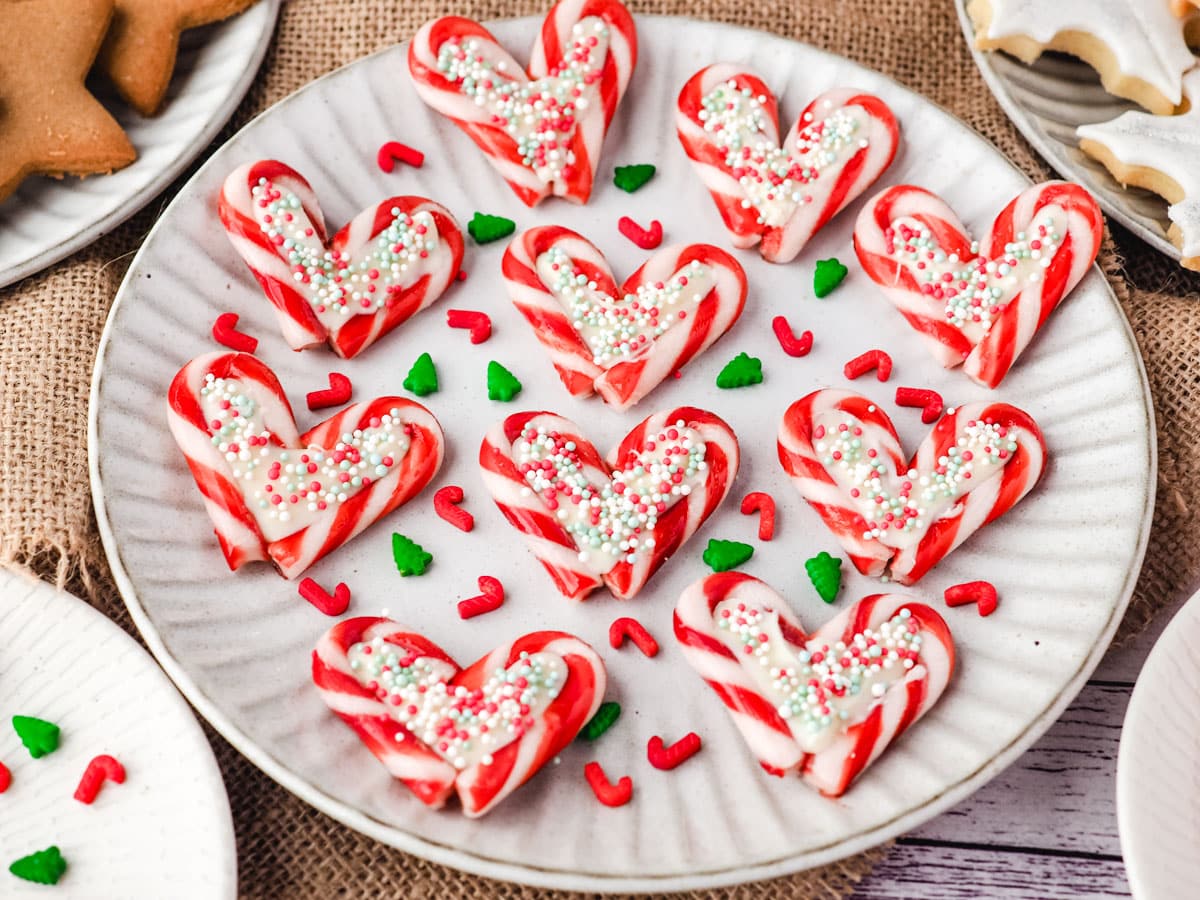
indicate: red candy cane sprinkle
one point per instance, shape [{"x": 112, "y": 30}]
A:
[
  {"x": 646, "y": 238},
  {"x": 981, "y": 593},
  {"x": 763, "y": 504},
  {"x": 872, "y": 359},
  {"x": 792, "y": 345},
  {"x": 929, "y": 402},
  {"x": 445, "y": 504},
  {"x": 333, "y": 605},
  {"x": 625, "y": 627},
  {"x": 491, "y": 598},
  {"x": 5, "y": 778},
  {"x": 101, "y": 769},
  {"x": 336, "y": 394},
  {"x": 665, "y": 758},
  {"x": 225, "y": 333},
  {"x": 477, "y": 323},
  {"x": 606, "y": 792},
  {"x": 394, "y": 151}
]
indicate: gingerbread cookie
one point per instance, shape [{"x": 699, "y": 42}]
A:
[
  {"x": 274, "y": 494},
  {"x": 844, "y": 457},
  {"x": 826, "y": 704},
  {"x": 480, "y": 732},
  {"x": 1137, "y": 46},
  {"x": 139, "y": 53},
  {"x": 773, "y": 196},
  {"x": 1158, "y": 153},
  {"x": 621, "y": 342},
  {"x": 593, "y": 521},
  {"x": 49, "y": 123},
  {"x": 542, "y": 129}
]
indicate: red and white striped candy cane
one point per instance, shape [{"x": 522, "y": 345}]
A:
[
  {"x": 578, "y": 570},
  {"x": 696, "y": 322},
  {"x": 953, "y": 292},
  {"x": 566, "y": 138},
  {"x": 239, "y": 531},
  {"x": 409, "y": 760},
  {"x": 782, "y": 225},
  {"x": 776, "y": 743},
  {"x": 370, "y": 290},
  {"x": 482, "y": 786},
  {"x": 801, "y": 428},
  {"x": 987, "y": 499}
]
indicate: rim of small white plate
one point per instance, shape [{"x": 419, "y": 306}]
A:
[
  {"x": 1051, "y": 151},
  {"x": 139, "y": 198},
  {"x": 192, "y": 732},
  {"x": 479, "y": 864},
  {"x": 1138, "y": 868}
]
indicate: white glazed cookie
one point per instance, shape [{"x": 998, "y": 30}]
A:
[
  {"x": 1137, "y": 46},
  {"x": 1158, "y": 153}
]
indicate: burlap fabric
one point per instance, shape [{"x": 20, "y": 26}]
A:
[{"x": 50, "y": 324}]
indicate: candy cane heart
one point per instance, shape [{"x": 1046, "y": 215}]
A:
[
  {"x": 822, "y": 705},
  {"x": 777, "y": 196},
  {"x": 620, "y": 342},
  {"x": 480, "y": 732},
  {"x": 391, "y": 261},
  {"x": 274, "y": 494},
  {"x": 612, "y": 521},
  {"x": 542, "y": 129},
  {"x": 842, "y": 453},
  {"x": 979, "y": 305}
]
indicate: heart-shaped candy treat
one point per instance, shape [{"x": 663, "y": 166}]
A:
[
  {"x": 979, "y": 305},
  {"x": 274, "y": 494},
  {"x": 823, "y": 705},
  {"x": 621, "y": 342},
  {"x": 482, "y": 731},
  {"x": 779, "y": 196},
  {"x": 391, "y": 261},
  {"x": 542, "y": 131},
  {"x": 615, "y": 521},
  {"x": 844, "y": 457}
]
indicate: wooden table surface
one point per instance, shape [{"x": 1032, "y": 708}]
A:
[{"x": 1047, "y": 827}]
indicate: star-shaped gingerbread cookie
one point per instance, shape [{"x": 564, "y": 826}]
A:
[
  {"x": 1158, "y": 153},
  {"x": 49, "y": 123},
  {"x": 1137, "y": 46},
  {"x": 139, "y": 55}
]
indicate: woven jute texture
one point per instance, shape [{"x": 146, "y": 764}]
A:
[{"x": 50, "y": 325}]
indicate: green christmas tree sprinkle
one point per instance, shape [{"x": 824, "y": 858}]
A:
[
  {"x": 741, "y": 371},
  {"x": 630, "y": 178},
  {"x": 604, "y": 719},
  {"x": 422, "y": 377},
  {"x": 502, "y": 385},
  {"x": 827, "y": 276},
  {"x": 721, "y": 556},
  {"x": 39, "y": 736},
  {"x": 44, "y": 867},
  {"x": 410, "y": 557},
  {"x": 825, "y": 573},
  {"x": 485, "y": 228}
]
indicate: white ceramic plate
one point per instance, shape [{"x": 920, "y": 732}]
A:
[
  {"x": 1047, "y": 102},
  {"x": 167, "y": 831},
  {"x": 46, "y": 219},
  {"x": 1158, "y": 768},
  {"x": 239, "y": 646}
]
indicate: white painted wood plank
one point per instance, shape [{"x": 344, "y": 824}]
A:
[
  {"x": 964, "y": 873},
  {"x": 1061, "y": 795}
]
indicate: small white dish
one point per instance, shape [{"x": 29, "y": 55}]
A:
[
  {"x": 165, "y": 832},
  {"x": 48, "y": 219}
]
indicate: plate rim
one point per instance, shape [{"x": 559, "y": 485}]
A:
[
  {"x": 136, "y": 201},
  {"x": 1049, "y": 150},
  {"x": 14, "y": 573},
  {"x": 478, "y": 864}
]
